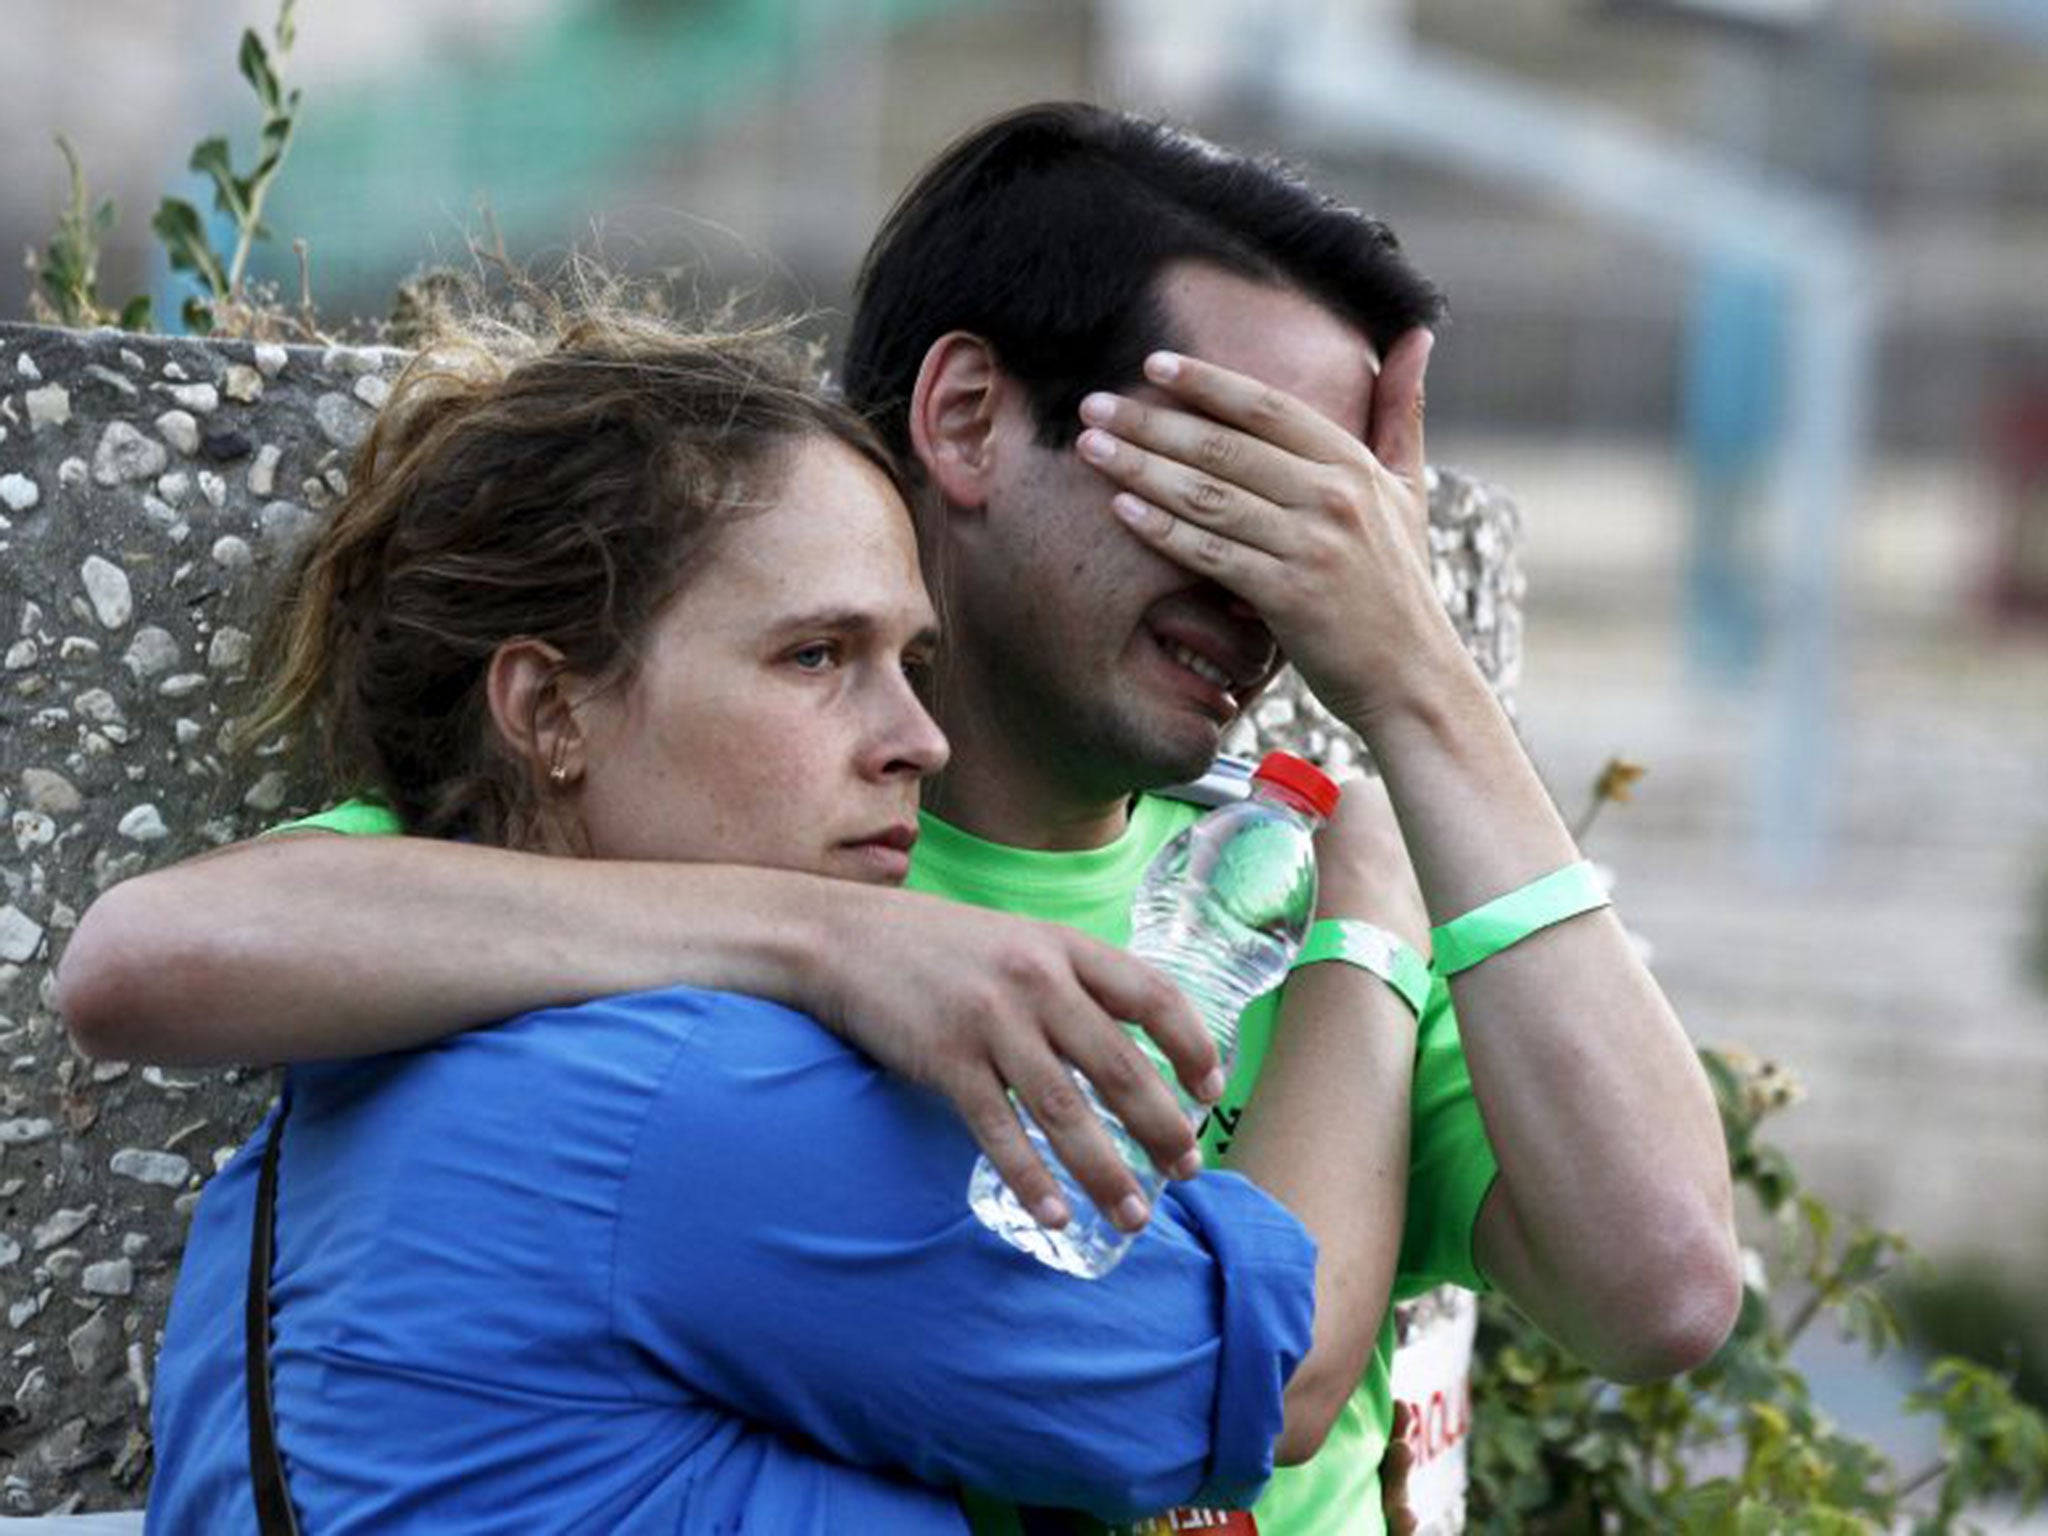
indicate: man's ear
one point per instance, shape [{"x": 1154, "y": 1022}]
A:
[
  {"x": 529, "y": 686},
  {"x": 953, "y": 416}
]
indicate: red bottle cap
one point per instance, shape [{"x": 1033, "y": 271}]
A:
[{"x": 1301, "y": 778}]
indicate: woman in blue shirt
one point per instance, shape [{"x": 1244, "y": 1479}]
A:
[{"x": 681, "y": 1260}]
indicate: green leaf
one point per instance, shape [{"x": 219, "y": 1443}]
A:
[
  {"x": 255, "y": 66},
  {"x": 197, "y": 315},
  {"x": 136, "y": 314},
  {"x": 210, "y": 158},
  {"x": 177, "y": 225}
]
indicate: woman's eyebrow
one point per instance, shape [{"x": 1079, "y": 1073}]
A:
[{"x": 849, "y": 621}]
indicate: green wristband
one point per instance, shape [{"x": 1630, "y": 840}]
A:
[
  {"x": 1485, "y": 931},
  {"x": 1370, "y": 948}
]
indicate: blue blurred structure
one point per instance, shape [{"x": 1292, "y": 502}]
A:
[{"x": 1733, "y": 401}]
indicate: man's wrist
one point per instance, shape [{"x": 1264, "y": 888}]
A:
[
  {"x": 1372, "y": 949},
  {"x": 1427, "y": 688}
]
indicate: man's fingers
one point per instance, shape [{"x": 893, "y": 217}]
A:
[
  {"x": 1218, "y": 505},
  {"x": 1238, "y": 567},
  {"x": 1268, "y": 414},
  {"x": 1395, "y": 433},
  {"x": 1205, "y": 447},
  {"x": 1394, "y": 1469}
]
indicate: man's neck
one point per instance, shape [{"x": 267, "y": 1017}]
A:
[{"x": 1005, "y": 801}]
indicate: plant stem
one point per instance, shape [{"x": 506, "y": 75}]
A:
[
  {"x": 1923, "y": 1477},
  {"x": 1803, "y": 1318}
]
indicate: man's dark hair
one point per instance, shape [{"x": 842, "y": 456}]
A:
[{"x": 1043, "y": 232}]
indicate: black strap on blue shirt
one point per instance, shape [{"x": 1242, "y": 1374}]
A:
[{"x": 274, "y": 1513}]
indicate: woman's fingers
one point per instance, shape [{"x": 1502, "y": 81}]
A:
[{"x": 1019, "y": 1015}]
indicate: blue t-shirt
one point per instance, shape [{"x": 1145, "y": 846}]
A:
[{"x": 682, "y": 1261}]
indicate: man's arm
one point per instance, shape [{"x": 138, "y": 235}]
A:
[
  {"x": 1326, "y": 1129},
  {"x": 312, "y": 945},
  {"x": 1611, "y": 1221}
]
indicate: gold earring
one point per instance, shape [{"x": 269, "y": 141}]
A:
[{"x": 558, "y": 771}]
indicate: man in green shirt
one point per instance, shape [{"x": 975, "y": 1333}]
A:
[{"x": 1166, "y": 407}]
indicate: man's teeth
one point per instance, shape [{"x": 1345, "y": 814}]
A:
[{"x": 1201, "y": 666}]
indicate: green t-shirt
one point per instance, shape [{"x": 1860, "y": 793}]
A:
[
  {"x": 1451, "y": 1164},
  {"x": 1450, "y": 1167}
]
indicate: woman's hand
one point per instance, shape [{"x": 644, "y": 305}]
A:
[{"x": 978, "y": 1005}]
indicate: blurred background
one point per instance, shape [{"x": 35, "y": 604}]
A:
[{"x": 1749, "y": 311}]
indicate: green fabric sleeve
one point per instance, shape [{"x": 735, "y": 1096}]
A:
[
  {"x": 1450, "y": 1162},
  {"x": 352, "y": 818}
]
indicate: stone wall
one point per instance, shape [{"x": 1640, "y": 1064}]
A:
[{"x": 149, "y": 488}]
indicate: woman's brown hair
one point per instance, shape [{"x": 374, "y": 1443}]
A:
[{"x": 563, "y": 491}]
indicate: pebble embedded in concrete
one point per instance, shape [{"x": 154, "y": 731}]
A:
[
  {"x": 344, "y": 422},
  {"x": 144, "y": 824},
  {"x": 113, "y": 380},
  {"x": 109, "y": 1277},
  {"x": 124, "y": 454},
  {"x": 20, "y": 493},
  {"x": 153, "y": 650},
  {"x": 88, "y": 1342},
  {"x": 20, "y": 937},
  {"x": 106, "y": 587},
  {"x": 180, "y": 430},
  {"x": 25, "y": 1131},
  {"x": 243, "y": 383},
  {"x": 267, "y": 793},
  {"x": 286, "y": 523},
  {"x": 270, "y": 359},
  {"x": 145, "y": 1167},
  {"x": 231, "y": 552},
  {"x": 229, "y": 649},
  {"x": 263, "y": 473},
  {"x": 44, "y": 789},
  {"x": 201, "y": 399},
  {"x": 49, "y": 406},
  {"x": 62, "y": 1226}
]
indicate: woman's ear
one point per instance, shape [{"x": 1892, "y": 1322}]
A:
[
  {"x": 953, "y": 416},
  {"x": 529, "y": 690}
]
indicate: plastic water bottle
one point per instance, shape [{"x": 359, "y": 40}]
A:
[{"x": 1222, "y": 910}]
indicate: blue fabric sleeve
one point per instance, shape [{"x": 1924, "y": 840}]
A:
[{"x": 794, "y": 1242}]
